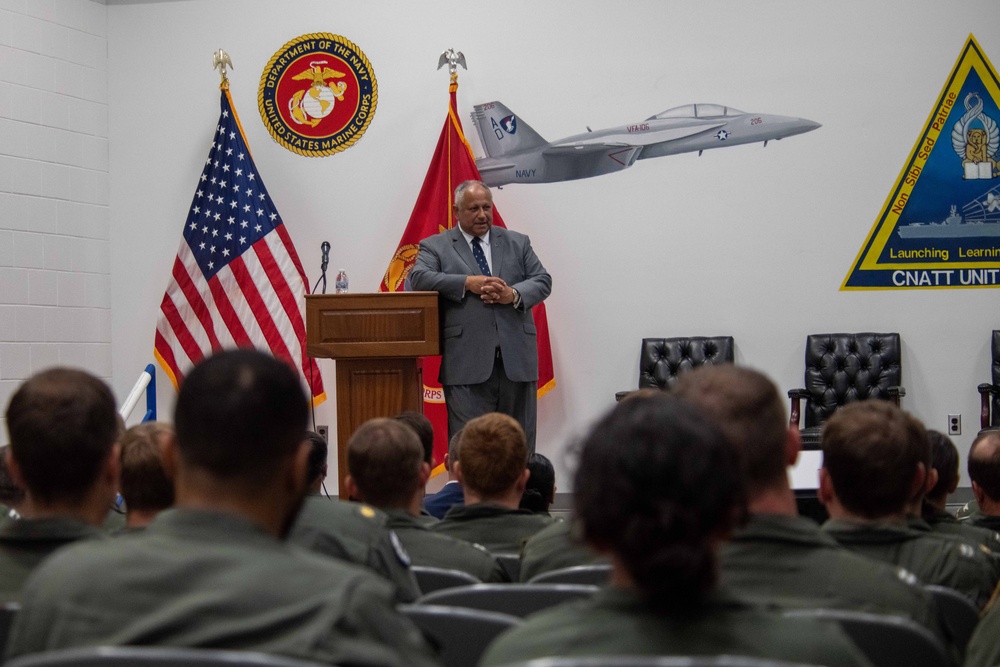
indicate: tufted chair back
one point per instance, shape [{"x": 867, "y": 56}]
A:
[
  {"x": 661, "y": 360},
  {"x": 990, "y": 393},
  {"x": 842, "y": 368}
]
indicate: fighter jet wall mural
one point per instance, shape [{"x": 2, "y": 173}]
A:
[{"x": 515, "y": 153}]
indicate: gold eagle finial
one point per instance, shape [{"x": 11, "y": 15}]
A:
[{"x": 220, "y": 61}]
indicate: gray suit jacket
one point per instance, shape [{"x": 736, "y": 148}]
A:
[{"x": 471, "y": 329}]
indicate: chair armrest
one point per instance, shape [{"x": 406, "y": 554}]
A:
[
  {"x": 896, "y": 393},
  {"x": 619, "y": 395},
  {"x": 796, "y": 409},
  {"x": 986, "y": 391}
]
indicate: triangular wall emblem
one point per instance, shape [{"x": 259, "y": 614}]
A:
[{"x": 940, "y": 225}]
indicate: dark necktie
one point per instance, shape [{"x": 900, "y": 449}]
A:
[{"x": 477, "y": 252}]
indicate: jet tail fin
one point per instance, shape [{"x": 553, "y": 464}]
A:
[{"x": 501, "y": 132}]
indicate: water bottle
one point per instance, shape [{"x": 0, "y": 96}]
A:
[{"x": 341, "y": 284}]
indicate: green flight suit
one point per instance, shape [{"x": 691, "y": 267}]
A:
[
  {"x": 789, "y": 560},
  {"x": 357, "y": 533},
  {"x": 946, "y": 523},
  {"x": 27, "y": 542},
  {"x": 617, "y": 622},
  {"x": 554, "y": 548},
  {"x": 934, "y": 559},
  {"x": 977, "y": 518},
  {"x": 984, "y": 645},
  {"x": 499, "y": 529},
  {"x": 435, "y": 550},
  {"x": 204, "y": 579}
]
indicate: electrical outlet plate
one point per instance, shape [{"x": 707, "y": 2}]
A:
[
  {"x": 954, "y": 424},
  {"x": 324, "y": 431}
]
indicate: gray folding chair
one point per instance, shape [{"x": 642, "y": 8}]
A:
[
  {"x": 514, "y": 599},
  {"x": 511, "y": 563},
  {"x": 460, "y": 634},
  {"x": 8, "y": 611},
  {"x": 591, "y": 575},
  {"x": 958, "y": 612},
  {"x": 657, "y": 661},
  {"x": 888, "y": 641},
  {"x": 154, "y": 656},
  {"x": 432, "y": 579}
]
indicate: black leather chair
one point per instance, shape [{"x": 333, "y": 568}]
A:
[
  {"x": 661, "y": 360},
  {"x": 989, "y": 393},
  {"x": 842, "y": 368}
]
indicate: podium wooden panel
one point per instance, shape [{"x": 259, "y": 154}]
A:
[{"x": 376, "y": 340}]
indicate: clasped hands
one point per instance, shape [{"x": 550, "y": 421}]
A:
[{"x": 490, "y": 289}]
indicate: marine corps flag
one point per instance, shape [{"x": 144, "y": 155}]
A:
[
  {"x": 453, "y": 163},
  {"x": 237, "y": 280}
]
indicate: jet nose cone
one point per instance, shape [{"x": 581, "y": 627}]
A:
[{"x": 809, "y": 125}]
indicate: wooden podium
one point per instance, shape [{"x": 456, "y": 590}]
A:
[{"x": 376, "y": 340}]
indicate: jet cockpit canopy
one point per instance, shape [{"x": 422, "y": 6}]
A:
[{"x": 697, "y": 111}]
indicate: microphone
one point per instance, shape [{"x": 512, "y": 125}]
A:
[{"x": 325, "y": 247}]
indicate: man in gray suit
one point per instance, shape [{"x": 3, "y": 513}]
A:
[{"x": 489, "y": 280}]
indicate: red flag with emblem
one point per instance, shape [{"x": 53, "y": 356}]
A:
[{"x": 452, "y": 163}]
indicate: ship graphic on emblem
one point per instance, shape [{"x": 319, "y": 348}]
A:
[
  {"x": 980, "y": 217},
  {"x": 310, "y": 106}
]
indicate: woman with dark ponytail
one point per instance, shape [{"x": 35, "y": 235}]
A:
[{"x": 658, "y": 490}]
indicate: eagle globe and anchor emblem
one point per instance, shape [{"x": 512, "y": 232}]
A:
[
  {"x": 310, "y": 106},
  {"x": 317, "y": 94}
]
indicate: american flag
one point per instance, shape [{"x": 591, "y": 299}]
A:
[{"x": 237, "y": 280}]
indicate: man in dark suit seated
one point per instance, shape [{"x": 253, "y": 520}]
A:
[
  {"x": 451, "y": 494},
  {"x": 214, "y": 572},
  {"x": 387, "y": 472},
  {"x": 875, "y": 461},
  {"x": 778, "y": 555},
  {"x": 63, "y": 429},
  {"x": 492, "y": 466}
]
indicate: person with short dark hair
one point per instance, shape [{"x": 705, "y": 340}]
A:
[
  {"x": 778, "y": 555},
  {"x": 63, "y": 452},
  {"x": 540, "y": 491},
  {"x": 350, "y": 531},
  {"x": 934, "y": 514},
  {"x": 451, "y": 494},
  {"x": 145, "y": 486},
  {"x": 422, "y": 426},
  {"x": 214, "y": 571},
  {"x": 386, "y": 469},
  {"x": 492, "y": 467},
  {"x": 984, "y": 472},
  {"x": 660, "y": 507},
  {"x": 11, "y": 495},
  {"x": 875, "y": 462}
]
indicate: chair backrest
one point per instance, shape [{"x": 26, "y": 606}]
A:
[
  {"x": 995, "y": 373},
  {"x": 154, "y": 656},
  {"x": 460, "y": 634},
  {"x": 656, "y": 661},
  {"x": 590, "y": 575},
  {"x": 8, "y": 611},
  {"x": 887, "y": 641},
  {"x": 511, "y": 564},
  {"x": 846, "y": 367},
  {"x": 958, "y": 612},
  {"x": 514, "y": 599},
  {"x": 661, "y": 360},
  {"x": 431, "y": 579}
]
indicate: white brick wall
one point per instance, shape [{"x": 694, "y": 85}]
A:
[{"x": 55, "y": 284}]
